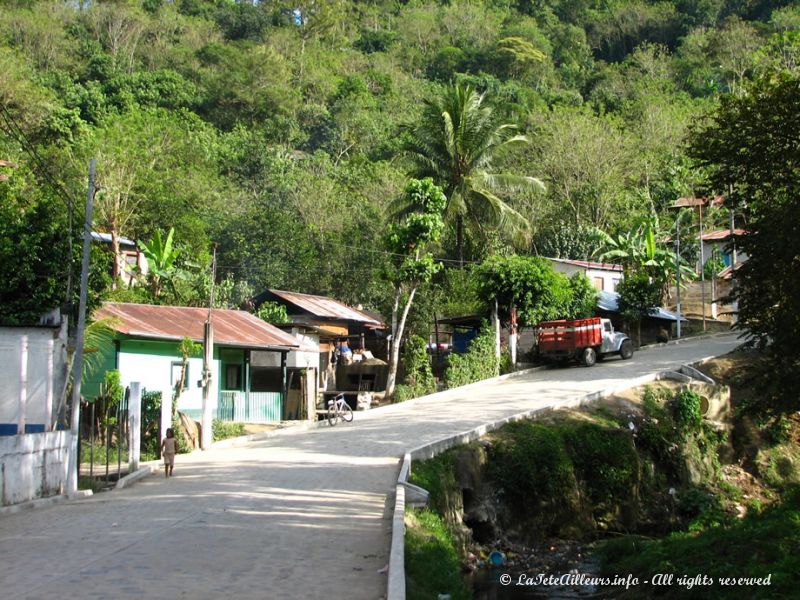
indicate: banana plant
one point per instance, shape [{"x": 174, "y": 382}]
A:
[
  {"x": 161, "y": 256},
  {"x": 639, "y": 250}
]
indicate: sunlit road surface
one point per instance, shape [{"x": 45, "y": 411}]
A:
[{"x": 299, "y": 516}]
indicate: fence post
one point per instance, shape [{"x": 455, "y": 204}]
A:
[
  {"x": 166, "y": 415},
  {"x": 134, "y": 426}
]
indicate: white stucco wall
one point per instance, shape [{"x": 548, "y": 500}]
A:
[
  {"x": 610, "y": 278},
  {"x": 154, "y": 373},
  {"x": 304, "y": 360},
  {"x": 34, "y": 466},
  {"x": 32, "y": 372}
]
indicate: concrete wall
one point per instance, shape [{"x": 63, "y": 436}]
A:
[
  {"x": 32, "y": 371},
  {"x": 34, "y": 466},
  {"x": 305, "y": 360}
]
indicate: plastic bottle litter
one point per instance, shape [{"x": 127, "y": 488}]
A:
[{"x": 497, "y": 558}]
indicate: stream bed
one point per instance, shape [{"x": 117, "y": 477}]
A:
[{"x": 556, "y": 569}]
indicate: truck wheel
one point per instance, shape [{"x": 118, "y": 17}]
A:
[
  {"x": 588, "y": 357},
  {"x": 626, "y": 349}
]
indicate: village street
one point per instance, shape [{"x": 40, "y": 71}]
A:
[{"x": 306, "y": 514}]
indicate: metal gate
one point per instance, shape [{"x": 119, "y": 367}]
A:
[{"x": 104, "y": 444}]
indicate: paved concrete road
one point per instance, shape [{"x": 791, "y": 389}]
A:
[{"x": 305, "y": 515}]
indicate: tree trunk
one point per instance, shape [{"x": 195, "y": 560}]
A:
[
  {"x": 512, "y": 337},
  {"x": 460, "y": 240},
  {"x": 397, "y": 336},
  {"x": 179, "y": 388},
  {"x": 116, "y": 253}
]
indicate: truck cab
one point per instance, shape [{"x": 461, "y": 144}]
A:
[{"x": 612, "y": 340}]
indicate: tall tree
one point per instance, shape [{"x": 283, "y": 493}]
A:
[
  {"x": 457, "y": 141},
  {"x": 413, "y": 264},
  {"x": 531, "y": 287},
  {"x": 752, "y": 146}
]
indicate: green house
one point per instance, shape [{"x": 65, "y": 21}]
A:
[{"x": 250, "y": 379}]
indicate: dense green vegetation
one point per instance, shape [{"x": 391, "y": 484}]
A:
[
  {"x": 645, "y": 483},
  {"x": 433, "y": 566},
  {"x": 286, "y": 133},
  {"x": 759, "y": 546}
]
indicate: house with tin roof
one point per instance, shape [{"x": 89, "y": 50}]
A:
[
  {"x": 720, "y": 243},
  {"x": 259, "y": 373},
  {"x": 331, "y": 324},
  {"x": 129, "y": 263},
  {"x": 604, "y": 276}
]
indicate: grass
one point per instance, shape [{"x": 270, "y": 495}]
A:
[
  {"x": 437, "y": 476},
  {"x": 115, "y": 454},
  {"x": 761, "y": 544},
  {"x": 431, "y": 559}
]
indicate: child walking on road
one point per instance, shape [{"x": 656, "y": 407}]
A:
[{"x": 168, "y": 449}]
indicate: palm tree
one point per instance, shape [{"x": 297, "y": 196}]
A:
[{"x": 455, "y": 143}]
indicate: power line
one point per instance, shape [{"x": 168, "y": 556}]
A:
[{"x": 13, "y": 130}]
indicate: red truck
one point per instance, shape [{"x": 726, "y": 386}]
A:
[{"x": 581, "y": 339}]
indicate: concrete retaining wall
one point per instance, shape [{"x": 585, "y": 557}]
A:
[{"x": 34, "y": 466}]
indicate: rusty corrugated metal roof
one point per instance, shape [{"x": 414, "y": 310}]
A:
[
  {"x": 721, "y": 234},
  {"x": 692, "y": 201},
  {"x": 231, "y": 327},
  {"x": 587, "y": 264},
  {"x": 322, "y": 306}
]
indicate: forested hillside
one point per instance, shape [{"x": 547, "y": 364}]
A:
[{"x": 281, "y": 130}]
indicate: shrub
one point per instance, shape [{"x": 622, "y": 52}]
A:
[
  {"x": 419, "y": 379},
  {"x": 531, "y": 463},
  {"x": 605, "y": 460},
  {"x": 478, "y": 363},
  {"x": 182, "y": 445},
  {"x": 221, "y": 430},
  {"x": 151, "y": 421},
  {"x": 687, "y": 411}
]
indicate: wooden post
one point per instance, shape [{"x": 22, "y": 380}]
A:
[{"x": 284, "y": 384}]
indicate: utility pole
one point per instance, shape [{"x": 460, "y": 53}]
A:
[
  {"x": 77, "y": 366},
  {"x": 702, "y": 271},
  {"x": 208, "y": 359},
  {"x": 496, "y": 326},
  {"x": 678, "y": 272}
]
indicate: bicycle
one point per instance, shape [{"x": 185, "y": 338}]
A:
[{"x": 339, "y": 409}]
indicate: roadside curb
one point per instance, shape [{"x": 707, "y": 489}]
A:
[
  {"x": 396, "y": 584},
  {"x": 685, "y": 340},
  {"x": 44, "y": 502},
  {"x": 143, "y": 471}
]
